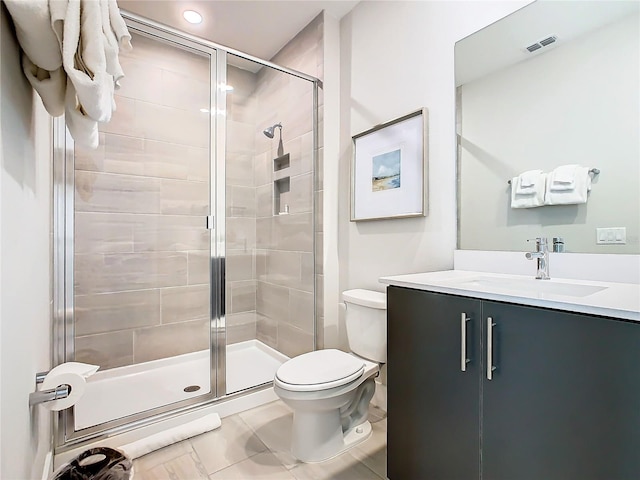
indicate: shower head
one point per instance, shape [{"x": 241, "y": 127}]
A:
[{"x": 270, "y": 130}]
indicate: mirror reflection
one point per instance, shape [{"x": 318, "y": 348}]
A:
[{"x": 571, "y": 98}]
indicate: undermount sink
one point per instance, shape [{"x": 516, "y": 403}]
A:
[{"x": 532, "y": 286}]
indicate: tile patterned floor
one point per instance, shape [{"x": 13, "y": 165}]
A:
[{"x": 255, "y": 445}]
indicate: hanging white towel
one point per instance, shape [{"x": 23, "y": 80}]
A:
[
  {"x": 50, "y": 85},
  {"x": 529, "y": 182},
  {"x": 572, "y": 192},
  {"x": 563, "y": 178},
  {"x": 33, "y": 29},
  {"x": 83, "y": 128},
  {"x": 83, "y": 37},
  {"x": 530, "y": 198}
]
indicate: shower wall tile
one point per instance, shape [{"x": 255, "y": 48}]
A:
[
  {"x": 170, "y": 340},
  {"x": 272, "y": 300},
  {"x": 241, "y": 201},
  {"x": 263, "y": 169},
  {"x": 240, "y": 137},
  {"x": 86, "y": 158},
  {"x": 143, "y": 79},
  {"x": 292, "y": 341},
  {"x": 300, "y": 120},
  {"x": 124, "y": 154},
  {"x": 306, "y": 153},
  {"x": 199, "y": 262},
  {"x": 185, "y": 91},
  {"x": 178, "y": 197},
  {"x": 301, "y": 308},
  {"x": 104, "y": 192},
  {"x": 167, "y": 57},
  {"x": 239, "y": 169},
  {"x": 169, "y": 233},
  {"x": 240, "y": 327},
  {"x": 241, "y": 103},
  {"x": 301, "y": 193},
  {"x": 264, "y": 201},
  {"x": 307, "y": 272},
  {"x": 241, "y": 296},
  {"x": 241, "y": 234},
  {"x": 293, "y": 232},
  {"x": 109, "y": 350},
  {"x": 285, "y": 232},
  {"x": 97, "y": 232},
  {"x": 239, "y": 266},
  {"x": 96, "y": 273},
  {"x": 183, "y": 304},
  {"x": 281, "y": 268},
  {"x": 173, "y": 125},
  {"x": 171, "y": 160},
  {"x": 267, "y": 330},
  {"x": 108, "y": 312},
  {"x": 123, "y": 120}
]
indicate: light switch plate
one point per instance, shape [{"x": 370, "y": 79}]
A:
[{"x": 611, "y": 236}]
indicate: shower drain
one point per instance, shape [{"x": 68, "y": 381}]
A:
[{"x": 192, "y": 388}]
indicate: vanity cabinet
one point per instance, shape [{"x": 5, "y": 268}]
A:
[{"x": 545, "y": 394}]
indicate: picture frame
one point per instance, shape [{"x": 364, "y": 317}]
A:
[{"x": 389, "y": 169}]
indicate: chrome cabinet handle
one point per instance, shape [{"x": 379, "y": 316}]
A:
[
  {"x": 463, "y": 341},
  {"x": 490, "y": 367}
]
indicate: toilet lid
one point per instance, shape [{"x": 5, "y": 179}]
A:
[{"x": 320, "y": 370}]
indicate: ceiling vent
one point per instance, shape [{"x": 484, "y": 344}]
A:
[{"x": 542, "y": 43}]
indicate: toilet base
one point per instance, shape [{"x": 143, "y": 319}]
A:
[{"x": 336, "y": 445}]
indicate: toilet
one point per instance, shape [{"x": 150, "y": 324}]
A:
[{"x": 329, "y": 390}]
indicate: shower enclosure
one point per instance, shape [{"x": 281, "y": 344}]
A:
[{"x": 184, "y": 245}]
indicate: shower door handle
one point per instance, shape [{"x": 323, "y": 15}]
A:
[{"x": 210, "y": 222}]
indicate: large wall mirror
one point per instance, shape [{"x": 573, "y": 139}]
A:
[{"x": 574, "y": 101}]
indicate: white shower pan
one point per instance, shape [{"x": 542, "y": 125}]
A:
[{"x": 124, "y": 391}]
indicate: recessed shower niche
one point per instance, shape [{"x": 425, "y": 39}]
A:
[{"x": 281, "y": 186}]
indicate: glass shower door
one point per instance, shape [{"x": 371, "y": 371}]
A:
[{"x": 142, "y": 252}]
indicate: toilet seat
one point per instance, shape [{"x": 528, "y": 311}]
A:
[{"x": 319, "y": 370}]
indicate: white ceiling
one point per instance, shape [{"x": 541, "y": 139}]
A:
[{"x": 257, "y": 27}]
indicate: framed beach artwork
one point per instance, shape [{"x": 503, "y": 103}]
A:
[{"x": 388, "y": 171}]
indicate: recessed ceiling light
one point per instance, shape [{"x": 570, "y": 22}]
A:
[{"x": 192, "y": 16}]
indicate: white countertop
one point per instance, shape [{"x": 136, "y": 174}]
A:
[{"x": 618, "y": 300}]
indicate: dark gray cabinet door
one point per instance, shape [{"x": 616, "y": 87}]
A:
[
  {"x": 433, "y": 429},
  {"x": 564, "y": 401}
]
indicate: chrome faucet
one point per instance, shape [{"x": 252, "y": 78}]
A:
[{"x": 542, "y": 256}]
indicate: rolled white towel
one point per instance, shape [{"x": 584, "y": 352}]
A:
[{"x": 173, "y": 435}]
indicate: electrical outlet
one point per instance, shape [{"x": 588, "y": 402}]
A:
[{"x": 611, "y": 236}]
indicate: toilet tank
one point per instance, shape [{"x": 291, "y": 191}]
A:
[{"x": 366, "y": 322}]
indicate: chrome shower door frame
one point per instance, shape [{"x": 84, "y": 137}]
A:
[{"x": 65, "y": 436}]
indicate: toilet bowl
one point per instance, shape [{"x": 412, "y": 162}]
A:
[{"x": 329, "y": 390}]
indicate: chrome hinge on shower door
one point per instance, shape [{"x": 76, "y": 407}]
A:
[{"x": 210, "y": 222}]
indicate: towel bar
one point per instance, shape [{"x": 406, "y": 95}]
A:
[{"x": 595, "y": 171}]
